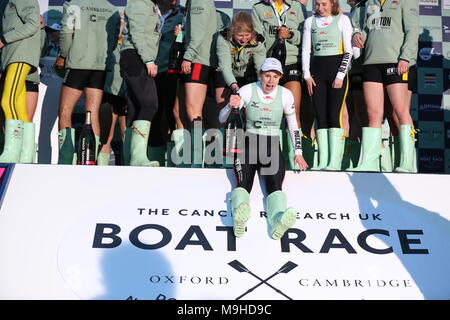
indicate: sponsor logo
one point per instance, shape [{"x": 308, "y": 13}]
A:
[
  {"x": 431, "y": 134},
  {"x": 427, "y": 53},
  {"x": 432, "y": 162},
  {"x": 430, "y": 80},
  {"x": 430, "y": 107},
  {"x": 433, "y": 3}
]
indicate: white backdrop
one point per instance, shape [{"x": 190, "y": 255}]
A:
[{"x": 72, "y": 232}]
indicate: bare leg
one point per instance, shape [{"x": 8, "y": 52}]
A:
[
  {"x": 374, "y": 98},
  {"x": 346, "y": 121},
  {"x": 67, "y": 102},
  {"x": 195, "y": 94},
  {"x": 93, "y": 101},
  {"x": 106, "y": 148},
  {"x": 397, "y": 93},
  {"x": 32, "y": 101}
]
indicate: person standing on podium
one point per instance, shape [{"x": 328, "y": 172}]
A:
[
  {"x": 266, "y": 103},
  {"x": 89, "y": 35}
]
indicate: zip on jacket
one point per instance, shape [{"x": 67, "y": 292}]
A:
[{"x": 267, "y": 21}]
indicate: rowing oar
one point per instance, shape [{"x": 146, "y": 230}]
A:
[{"x": 287, "y": 267}]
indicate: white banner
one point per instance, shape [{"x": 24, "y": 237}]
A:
[{"x": 72, "y": 232}]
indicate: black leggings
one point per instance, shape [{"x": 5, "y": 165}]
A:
[
  {"x": 269, "y": 163},
  {"x": 328, "y": 102},
  {"x": 141, "y": 96},
  {"x": 164, "y": 119}
]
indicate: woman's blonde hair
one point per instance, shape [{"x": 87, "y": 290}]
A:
[{"x": 242, "y": 22}]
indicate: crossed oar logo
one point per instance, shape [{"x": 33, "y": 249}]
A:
[{"x": 286, "y": 268}]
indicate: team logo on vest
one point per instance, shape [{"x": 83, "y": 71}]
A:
[
  {"x": 233, "y": 51},
  {"x": 267, "y": 15},
  {"x": 376, "y": 21}
]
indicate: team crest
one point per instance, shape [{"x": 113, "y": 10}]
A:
[{"x": 267, "y": 14}]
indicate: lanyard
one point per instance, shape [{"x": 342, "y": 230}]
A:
[
  {"x": 280, "y": 15},
  {"x": 383, "y": 2}
]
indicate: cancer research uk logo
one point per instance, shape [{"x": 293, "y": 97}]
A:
[{"x": 182, "y": 249}]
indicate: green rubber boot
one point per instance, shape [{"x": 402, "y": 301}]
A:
[
  {"x": 350, "y": 157},
  {"x": 309, "y": 147},
  {"x": 28, "y": 153},
  {"x": 407, "y": 149},
  {"x": 103, "y": 159},
  {"x": 157, "y": 154},
  {"x": 13, "y": 141},
  {"x": 66, "y": 143},
  {"x": 176, "y": 155},
  {"x": 139, "y": 140},
  {"x": 240, "y": 204},
  {"x": 386, "y": 159},
  {"x": 370, "y": 151},
  {"x": 336, "y": 142},
  {"x": 394, "y": 147},
  {"x": 280, "y": 219},
  {"x": 322, "y": 146}
]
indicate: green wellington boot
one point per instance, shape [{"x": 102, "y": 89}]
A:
[
  {"x": 103, "y": 159},
  {"x": 336, "y": 142},
  {"x": 139, "y": 140},
  {"x": 394, "y": 147},
  {"x": 350, "y": 157},
  {"x": 240, "y": 205},
  {"x": 322, "y": 146},
  {"x": 370, "y": 151},
  {"x": 157, "y": 154},
  {"x": 28, "y": 153},
  {"x": 280, "y": 219},
  {"x": 407, "y": 149},
  {"x": 13, "y": 141},
  {"x": 66, "y": 143},
  {"x": 310, "y": 152},
  {"x": 175, "y": 156},
  {"x": 386, "y": 159}
]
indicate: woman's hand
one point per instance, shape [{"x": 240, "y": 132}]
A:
[
  {"x": 186, "y": 67},
  {"x": 358, "y": 41},
  {"x": 235, "y": 101},
  {"x": 234, "y": 87},
  {"x": 337, "y": 83},
  {"x": 310, "y": 83},
  {"x": 300, "y": 161},
  {"x": 283, "y": 32},
  {"x": 177, "y": 29},
  {"x": 403, "y": 67}
]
